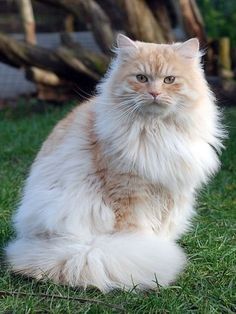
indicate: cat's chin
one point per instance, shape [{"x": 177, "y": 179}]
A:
[{"x": 156, "y": 109}]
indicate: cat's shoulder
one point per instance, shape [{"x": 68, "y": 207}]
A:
[{"x": 63, "y": 126}]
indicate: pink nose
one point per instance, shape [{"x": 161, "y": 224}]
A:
[{"x": 154, "y": 94}]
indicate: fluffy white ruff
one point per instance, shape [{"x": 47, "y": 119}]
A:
[{"x": 111, "y": 261}]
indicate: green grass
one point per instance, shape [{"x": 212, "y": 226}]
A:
[{"x": 207, "y": 285}]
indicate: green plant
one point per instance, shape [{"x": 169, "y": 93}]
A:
[{"x": 219, "y": 17}]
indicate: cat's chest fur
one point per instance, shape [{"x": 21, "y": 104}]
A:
[
  {"x": 148, "y": 168},
  {"x": 129, "y": 195},
  {"x": 141, "y": 178},
  {"x": 163, "y": 155}
]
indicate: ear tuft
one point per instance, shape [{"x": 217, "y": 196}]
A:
[
  {"x": 189, "y": 49},
  {"x": 125, "y": 42}
]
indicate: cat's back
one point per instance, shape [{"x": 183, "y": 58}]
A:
[{"x": 75, "y": 119}]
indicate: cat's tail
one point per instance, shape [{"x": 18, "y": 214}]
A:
[{"x": 110, "y": 261}]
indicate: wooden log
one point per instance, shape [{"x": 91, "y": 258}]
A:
[
  {"x": 115, "y": 11},
  {"x": 43, "y": 77},
  {"x": 49, "y": 86},
  {"x": 97, "y": 62},
  {"x": 211, "y": 58},
  {"x": 224, "y": 53},
  {"x": 140, "y": 23},
  {"x": 89, "y": 12},
  {"x": 63, "y": 62},
  {"x": 69, "y": 23},
  {"x": 192, "y": 20},
  {"x": 144, "y": 20},
  {"x": 101, "y": 25},
  {"x": 160, "y": 11},
  {"x": 225, "y": 58},
  {"x": 177, "y": 20},
  {"x": 60, "y": 93},
  {"x": 27, "y": 16}
]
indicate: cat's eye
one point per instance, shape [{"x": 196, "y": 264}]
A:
[
  {"x": 169, "y": 79},
  {"x": 141, "y": 78}
]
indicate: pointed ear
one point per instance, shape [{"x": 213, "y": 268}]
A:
[
  {"x": 125, "y": 42},
  {"x": 189, "y": 49}
]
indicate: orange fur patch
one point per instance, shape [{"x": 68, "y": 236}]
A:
[
  {"x": 122, "y": 191},
  {"x": 116, "y": 188}
]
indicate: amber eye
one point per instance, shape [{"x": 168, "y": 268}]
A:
[
  {"x": 169, "y": 79},
  {"x": 141, "y": 78}
]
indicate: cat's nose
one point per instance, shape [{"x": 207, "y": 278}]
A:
[{"x": 154, "y": 94}]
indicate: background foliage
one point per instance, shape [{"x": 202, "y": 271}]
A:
[{"x": 219, "y": 18}]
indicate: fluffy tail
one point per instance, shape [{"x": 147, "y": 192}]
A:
[{"x": 111, "y": 261}]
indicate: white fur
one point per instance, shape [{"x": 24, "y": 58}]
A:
[
  {"x": 65, "y": 231},
  {"x": 108, "y": 262}
]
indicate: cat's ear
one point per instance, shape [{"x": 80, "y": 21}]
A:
[
  {"x": 125, "y": 42},
  {"x": 189, "y": 49}
]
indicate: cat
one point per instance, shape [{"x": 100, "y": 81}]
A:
[{"x": 113, "y": 186}]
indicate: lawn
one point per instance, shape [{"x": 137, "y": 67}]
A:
[{"x": 206, "y": 286}]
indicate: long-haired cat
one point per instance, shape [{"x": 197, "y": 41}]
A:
[{"x": 113, "y": 186}]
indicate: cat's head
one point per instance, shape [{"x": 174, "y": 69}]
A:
[{"x": 156, "y": 78}]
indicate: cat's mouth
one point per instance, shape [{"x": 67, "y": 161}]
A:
[
  {"x": 157, "y": 102},
  {"x": 156, "y": 106}
]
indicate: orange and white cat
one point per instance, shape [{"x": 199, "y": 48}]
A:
[{"x": 113, "y": 186}]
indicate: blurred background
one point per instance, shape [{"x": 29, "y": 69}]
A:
[{"x": 57, "y": 50}]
